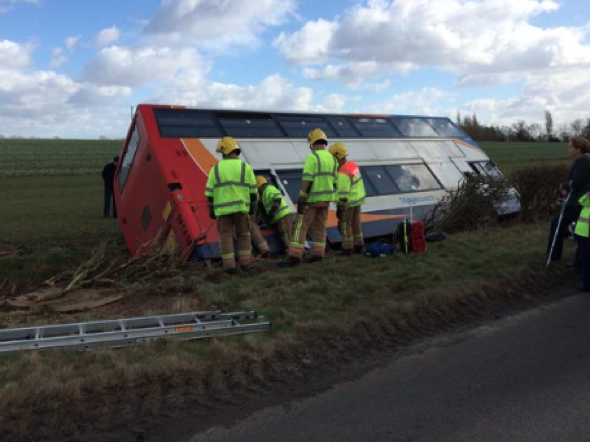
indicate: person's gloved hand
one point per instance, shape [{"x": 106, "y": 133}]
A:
[
  {"x": 339, "y": 212},
  {"x": 252, "y": 211},
  {"x": 211, "y": 212}
]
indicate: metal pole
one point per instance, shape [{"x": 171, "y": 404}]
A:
[{"x": 558, "y": 226}]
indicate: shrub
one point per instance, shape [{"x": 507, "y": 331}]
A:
[{"x": 538, "y": 188}]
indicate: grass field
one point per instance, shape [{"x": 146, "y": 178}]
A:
[
  {"x": 22, "y": 157},
  {"x": 512, "y": 156},
  {"x": 51, "y": 197},
  {"x": 56, "y": 216}
]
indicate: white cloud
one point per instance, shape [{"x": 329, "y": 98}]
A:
[
  {"x": 71, "y": 42},
  {"x": 309, "y": 45},
  {"x": 466, "y": 37},
  {"x": 217, "y": 23},
  {"x": 566, "y": 94},
  {"x": 273, "y": 92},
  {"x": 14, "y": 56},
  {"x": 426, "y": 101},
  {"x": 132, "y": 67},
  {"x": 61, "y": 55},
  {"x": 107, "y": 36}
]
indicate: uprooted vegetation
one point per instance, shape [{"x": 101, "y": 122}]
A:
[{"x": 473, "y": 205}]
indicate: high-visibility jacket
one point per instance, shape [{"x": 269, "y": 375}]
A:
[
  {"x": 351, "y": 188},
  {"x": 270, "y": 195},
  {"x": 583, "y": 223},
  {"x": 231, "y": 183},
  {"x": 321, "y": 169}
]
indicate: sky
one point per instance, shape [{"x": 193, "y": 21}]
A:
[{"x": 76, "y": 68}]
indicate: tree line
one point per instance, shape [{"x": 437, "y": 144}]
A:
[{"x": 522, "y": 131}]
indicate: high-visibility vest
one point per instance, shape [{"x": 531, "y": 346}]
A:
[
  {"x": 270, "y": 194},
  {"x": 321, "y": 169},
  {"x": 351, "y": 188},
  {"x": 583, "y": 223},
  {"x": 230, "y": 184}
]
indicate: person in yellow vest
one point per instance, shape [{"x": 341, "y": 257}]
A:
[
  {"x": 276, "y": 209},
  {"x": 232, "y": 195},
  {"x": 317, "y": 192},
  {"x": 582, "y": 235},
  {"x": 350, "y": 198}
]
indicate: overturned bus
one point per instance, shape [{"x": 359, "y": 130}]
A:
[{"x": 409, "y": 163}]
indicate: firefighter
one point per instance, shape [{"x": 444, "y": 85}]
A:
[
  {"x": 232, "y": 195},
  {"x": 317, "y": 192},
  {"x": 582, "y": 235},
  {"x": 350, "y": 198},
  {"x": 276, "y": 209}
]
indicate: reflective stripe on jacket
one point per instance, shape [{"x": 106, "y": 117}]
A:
[
  {"x": 351, "y": 188},
  {"x": 270, "y": 194},
  {"x": 321, "y": 169},
  {"x": 583, "y": 223},
  {"x": 230, "y": 184}
]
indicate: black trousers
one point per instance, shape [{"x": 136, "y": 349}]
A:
[
  {"x": 583, "y": 255},
  {"x": 108, "y": 197},
  {"x": 570, "y": 215}
]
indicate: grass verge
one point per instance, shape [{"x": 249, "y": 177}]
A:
[{"x": 320, "y": 314}]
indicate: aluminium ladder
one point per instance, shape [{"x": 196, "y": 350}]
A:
[{"x": 125, "y": 332}]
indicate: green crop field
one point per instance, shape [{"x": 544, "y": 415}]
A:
[
  {"x": 24, "y": 157},
  {"x": 512, "y": 156}
]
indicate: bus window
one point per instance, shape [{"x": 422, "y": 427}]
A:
[
  {"x": 128, "y": 158},
  {"x": 445, "y": 128},
  {"x": 414, "y": 127},
  {"x": 299, "y": 126},
  {"x": 291, "y": 181},
  {"x": 413, "y": 177},
  {"x": 186, "y": 123},
  {"x": 381, "y": 182},
  {"x": 375, "y": 127},
  {"x": 344, "y": 127},
  {"x": 243, "y": 125}
]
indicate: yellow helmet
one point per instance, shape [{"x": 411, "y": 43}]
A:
[
  {"x": 316, "y": 135},
  {"x": 260, "y": 181},
  {"x": 339, "y": 150},
  {"x": 227, "y": 145}
]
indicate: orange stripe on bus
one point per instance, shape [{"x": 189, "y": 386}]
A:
[
  {"x": 365, "y": 218},
  {"x": 204, "y": 159}
]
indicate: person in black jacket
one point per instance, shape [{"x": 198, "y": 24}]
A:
[
  {"x": 578, "y": 183},
  {"x": 108, "y": 176}
]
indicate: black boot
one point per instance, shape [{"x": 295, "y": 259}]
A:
[
  {"x": 345, "y": 252},
  {"x": 316, "y": 259},
  {"x": 359, "y": 250}
]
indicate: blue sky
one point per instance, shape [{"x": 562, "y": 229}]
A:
[{"x": 72, "y": 68}]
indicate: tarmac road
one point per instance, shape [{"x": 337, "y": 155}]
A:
[{"x": 523, "y": 378}]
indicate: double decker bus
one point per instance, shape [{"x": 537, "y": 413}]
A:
[{"x": 409, "y": 163}]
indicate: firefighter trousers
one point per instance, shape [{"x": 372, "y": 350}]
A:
[
  {"x": 284, "y": 226},
  {"x": 256, "y": 235},
  {"x": 350, "y": 228},
  {"x": 314, "y": 219},
  {"x": 226, "y": 225}
]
